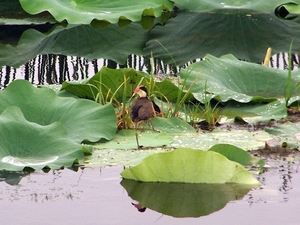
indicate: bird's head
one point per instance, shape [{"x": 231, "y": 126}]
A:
[{"x": 141, "y": 91}]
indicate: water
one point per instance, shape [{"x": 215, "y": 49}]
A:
[{"x": 95, "y": 196}]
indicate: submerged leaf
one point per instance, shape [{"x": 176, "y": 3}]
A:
[
  {"x": 27, "y": 144},
  {"x": 189, "y": 166}
]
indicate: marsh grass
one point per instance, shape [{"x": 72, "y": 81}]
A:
[
  {"x": 210, "y": 112},
  {"x": 289, "y": 89}
]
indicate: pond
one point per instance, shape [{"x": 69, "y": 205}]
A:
[
  {"x": 233, "y": 39},
  {"x": 95, "y": 196}
]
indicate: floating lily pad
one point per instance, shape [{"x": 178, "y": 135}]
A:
[
  {"x": 27, "y": 144},
  {"x": 125, "y": 139},
  {"x": 236, "y": 154},
  {"x": 241, "y": 138},
  {"x": 189, "y": 166},
  {"x": 287, "y": 132},
  {"x": 119, "y": 157},
  {"x": 172, "y": 126}
]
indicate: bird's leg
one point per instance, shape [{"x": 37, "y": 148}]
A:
[
  {"x": 136, "y": 135},
  {"x": 151, "y": 124}
]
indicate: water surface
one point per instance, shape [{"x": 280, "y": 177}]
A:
[{"x": 95, "y": 196}]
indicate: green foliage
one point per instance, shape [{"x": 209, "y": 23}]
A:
[
  {"x": 44, "y": 107},
  {"x": 28, "y": 144},
  {"x": 117, "y": 85},
  {"x": 71, "y": 40},
  {"x": 192, "y": 35},
  {"x": 236, "y": 154},
  {"x": 210, "y": 112},
  {"x": 124, "y": 139},
  {"x": 290, "y": 88},
  {"x": 231, "y": 79},
  {"x": 189, "y": 166},
  {"x": 287, "y": 132},
  {"x": 253, "y": 113},
  {"x": 207, "y": 5},
  {"x": 84, "y": 12},
  {"x": 38, "y": 129}
]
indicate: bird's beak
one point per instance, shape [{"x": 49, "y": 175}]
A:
[{"x": 136, "y": 90}]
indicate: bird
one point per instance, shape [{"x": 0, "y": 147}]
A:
[{"x": 142, "y": 109}]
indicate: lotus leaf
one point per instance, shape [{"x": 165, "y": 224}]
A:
[
  {"x": 189, "y": 166},
  {"x": 28, "y": 144},
  {"x": 67, "y": 40},
  {"x": 245, "y": 34},
  {"x": 207, "y": 5},
  {"x": 236, "y": 154},
  {"x": 111, "y": 84},
  {"x": 125, "y": 139},
  {"x": 229, "y": 78},
  {"x": 287, "y": 132},
  {"x": 204, "y": 140},
  {"x": 84, "y": 120},
  {"x": 83, "y": 12},
  {"x": 253, "y": 113}
]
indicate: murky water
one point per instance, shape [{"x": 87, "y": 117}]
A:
[{"x": 95, "y": 196}]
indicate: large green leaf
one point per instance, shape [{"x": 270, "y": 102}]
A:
[
  {"x": 110, "y": 42},
  {"x": 111, "y": 83},
  {"x": 229, "y": 78},
  {"x": 32, "y": 42},
  {"x": 12, "y": 13},
  {"x": 236, "y": 154},
  {"x": 207, "y": 5},
  {"x": 246, "y": 34},
  {"x": 184, "y": 200},
  {"x": 83, "y": 12},
  {"x": 287, "y": 132},
  {"x": 84, "y": 119},
  {"x": 253, "y": 113},
  {"x": 189, "y": 166},
  {"x": 125, "y": 139},
  {"x": 204, "y": 140},
  {"x": 27, "y": 144}
]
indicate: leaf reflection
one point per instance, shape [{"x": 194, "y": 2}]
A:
[{"x": 184, "y": 200}]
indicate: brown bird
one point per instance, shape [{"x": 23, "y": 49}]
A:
[{"x": 142, "y": 109}]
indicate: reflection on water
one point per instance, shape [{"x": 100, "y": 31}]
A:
[
  {"x": 55, "y": 69},
  {"x": 95, "y": 196}
]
